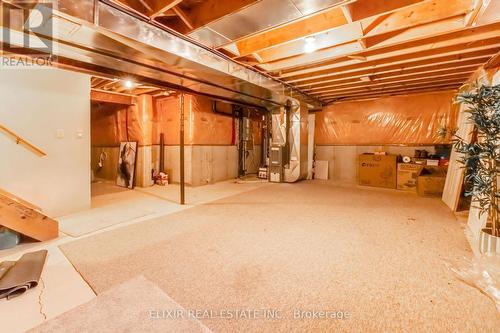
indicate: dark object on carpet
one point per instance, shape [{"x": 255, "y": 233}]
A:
[
  {"x": 9, "y": 239},
  {"x": 17, "y": 277}
]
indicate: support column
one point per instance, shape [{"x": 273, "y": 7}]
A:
[{"x": 181, "y": 150}]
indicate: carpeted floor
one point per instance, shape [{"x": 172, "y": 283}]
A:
[
  {"x": 379, "y": 255},
  {"x": 128, "y": 307}
]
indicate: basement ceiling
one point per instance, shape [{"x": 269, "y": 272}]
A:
[{"x": 339, "y": 50}]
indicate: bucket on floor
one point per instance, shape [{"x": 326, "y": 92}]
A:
[{"x": 488, "y": 243}]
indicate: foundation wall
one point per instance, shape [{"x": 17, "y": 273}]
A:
[
  {"x": 211, "y": 153},
  {"x": 343, "y": 160}
]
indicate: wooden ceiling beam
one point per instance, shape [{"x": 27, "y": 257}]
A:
[
  {"x": 426, "y": 12},
  {"x": 97, "y": 95},
  {"x": 490, "y": 12},
  {"x": 429, "y": 68},
  {"x": 369, "y": 90},
  {"x": 493, "y": 62},
  {"x": 470, "y": 35},
  {"x": 384, "y": 86},
  {"x": 431, "y": 29},
  {"x": 184, "y": 17},
  {"x": 322, "y": 24},
  {"x": 402, "y": 59},
  {"x": 362, "y": 9},
  {"x": 298, "y": 29},
  {"x": 339, "y": 37},
  {"x": 301, "y": 61},
  {"x": 160, "y": 6},
  {"x": 478, "y": 7},
  {"x": 393, "y": 93},
  {"x": 389, "y": 83},
  {"x": 390, "y": 77},
  {"x": 427, "y": 88}
]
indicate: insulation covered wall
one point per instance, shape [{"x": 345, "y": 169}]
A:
[
  {"x": 147, "y": 118},
  {"x": 402, "y": 120},
  {"x": 113, "y": 123},
  {"x": 201, "y": 125}
]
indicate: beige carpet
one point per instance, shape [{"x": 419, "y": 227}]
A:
[
  {"x": 378, "y": 254},
  {"x": 129, "y": 307}
]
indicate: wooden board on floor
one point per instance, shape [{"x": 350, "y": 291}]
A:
[{"x": 24, "y": 219}]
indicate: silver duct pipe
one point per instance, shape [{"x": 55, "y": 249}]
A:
[
  {"x": 100, "y": 38},
  {"x": 290, "y": 131}
]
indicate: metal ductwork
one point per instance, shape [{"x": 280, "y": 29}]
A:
[
  {"x": 289, "y": 142},
  {"x": 100, "y": 38}
]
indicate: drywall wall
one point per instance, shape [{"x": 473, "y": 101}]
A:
[{"x": 51, "y": 109}]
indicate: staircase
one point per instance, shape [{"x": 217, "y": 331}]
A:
[{"x": 21, "y": 216}]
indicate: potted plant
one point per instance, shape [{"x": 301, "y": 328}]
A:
[{"x": 481, "y": 159}]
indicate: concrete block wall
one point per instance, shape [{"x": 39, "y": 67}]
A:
[
  {"x": 343, "y": 160},
  {"x": 203, "y": 164}
]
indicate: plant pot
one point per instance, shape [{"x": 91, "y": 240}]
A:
[{"x": 488, "y": 243}]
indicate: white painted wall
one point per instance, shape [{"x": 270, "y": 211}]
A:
[{"x": 35, "y": 104}]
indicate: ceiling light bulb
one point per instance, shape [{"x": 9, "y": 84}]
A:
[
  {"x": 128, "y": 84},
  {"x": 309, "y": 48},
  {"x": 310, "y": 39}
]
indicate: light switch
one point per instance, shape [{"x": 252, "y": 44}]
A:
[
  {"x": 60, "y": 133},
  {"x": 79, "y": 134}
]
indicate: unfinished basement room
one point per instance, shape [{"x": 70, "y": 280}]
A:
[{"x": 226, "y": 166}]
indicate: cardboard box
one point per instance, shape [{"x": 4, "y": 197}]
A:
[
  {"x": 377, "y": 170},
  {"x": 430, "y": 181},
  {"x": 407, "y": 176}
]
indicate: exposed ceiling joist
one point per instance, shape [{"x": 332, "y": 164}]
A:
[
  {"x": 182, "y": 15},
  {"x": 390, "y": 83},
  {"x": 360, "y": 47},
  {"x": 160, "y": 6},
  {"x": 380, "y": 66},
  {"x": 429, "y": 67},
  {"x": 362, "y": 9},
  {"x": 295, "y": 30},
  {"x": 385, "y": 86},
  {"x": 427, "y": 89},
  {"x": 457, "y": 49},
  {"x": 319, "y": 56},
  {"x": 471, "y": 35},
  {"x": 334, "y": 23},
  {"x": 391, "y": 77}
]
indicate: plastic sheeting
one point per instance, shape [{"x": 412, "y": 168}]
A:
[
  {"x": 406, "y": 120},
  {"x": 201, "y": 125},
  {"x": 483, "y": 273},
  {"x": 112, "y": 123},
  {"x": 147, "y": 118}
]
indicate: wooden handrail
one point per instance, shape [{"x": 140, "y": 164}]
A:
[{"x": 20, "y": 140}]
